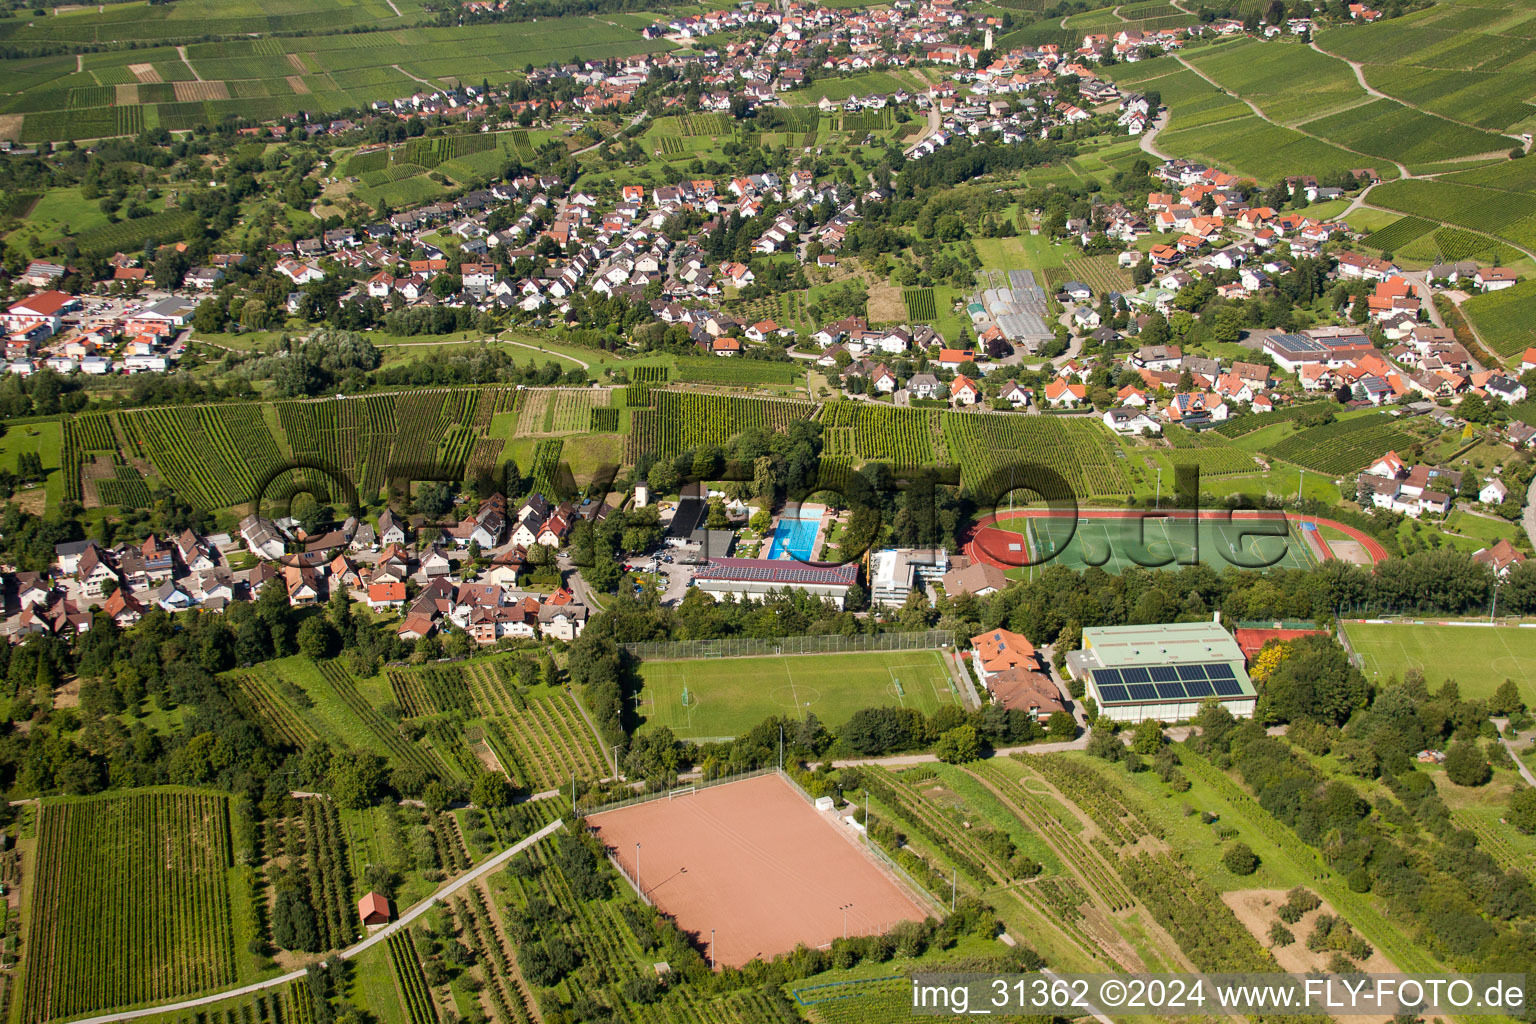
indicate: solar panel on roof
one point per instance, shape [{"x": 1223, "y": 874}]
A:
[
  {"x": 1198, "y": 688},
  {"x": 1106, "y": 675},
  {"x": 1227, "y": 687},
  {"x": 1164, "y": 674},
  {"x": 1170, "y": 691},
  {"x": 1220, "y": 672},
  {"x": 1114, "y": 694},
  {"x": 1143, "y": 691},
  {"x": 1135, "y": 675},
  {"x": 1187, "y": 672}
]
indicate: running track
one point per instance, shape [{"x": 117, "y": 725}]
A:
[{"x": 973, "y": 551}]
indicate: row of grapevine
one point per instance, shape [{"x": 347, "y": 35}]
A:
[
  {"x": 679, "y": 421},
  {"x": 402, "y": 750},
  {"x": 1121, "y": 819},
  {"x": 545, "y": 472},
  {"x": 1075, "y": 854},
  {"x": 1343, "y": 446},
  {"x": 268, "y": 707},
  {"x": 999, "y": 451},
  {"x": 431, "y": 691},
  {"x": 410, "y": 980},
  {"x": 137, "y": 881},
  {"x": 901, "y": 437}
]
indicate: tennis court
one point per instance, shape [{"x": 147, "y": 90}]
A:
[
  {"x": 1154, "y": 542},
  {"x": 729, "y": 696}
]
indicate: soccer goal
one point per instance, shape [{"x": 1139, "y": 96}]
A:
[{"x": 681, "y": 791}]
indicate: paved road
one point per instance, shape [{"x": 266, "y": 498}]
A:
[
  {"x": 1528, "y": 517},
  {"x": 351, "y": 951},
  {"x": 1150, "y": 133},
  {"x": 930, "y": 128},
  {"x": 1525, "y": 773}
]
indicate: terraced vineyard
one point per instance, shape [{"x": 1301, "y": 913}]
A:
[
  {"x": 1342, "y": 447},
  {"x": 1002, "y": 450},
  {"x": 138, "y": 878}
]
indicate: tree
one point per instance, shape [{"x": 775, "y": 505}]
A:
[
  {"x": 959, "y": 745},
  {"x": 293, "y": 922},
  {"x": 1506, "y": 699},
  {"x": 1240, "y": 859},
  {"x": 1522, "y": 811},
  {"x": 1465, "y": 764},
  {"x": 1061, "y": 726},
  {"x": 316, "y": 638},
  {"x": 490, "y": 790},
  {"x": 1280, "y": 935},
  {"x": 1148, "y": 738},
  {"x": 1103, "y": 743}
]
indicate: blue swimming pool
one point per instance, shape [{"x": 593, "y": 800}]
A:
[{"x": 796, "y": 537}]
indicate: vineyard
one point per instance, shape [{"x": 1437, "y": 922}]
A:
[
  {"x": 1103, "y": 274},
  {"x": 1212, "y": 453},
  {"x": 680, "y": 421},
  {"x": 711, "y": 370},
  {"x": 1237, "y": 426},
  {"x": 537, "y": 732},
  {"x": 558, "y": 411},
  {"x": 409, "y": 979},
  {"x": 220, "y": 456},
  {"x": 874, "y": 432},
  {"x": 1001, "y": 451},
  {"x": 545, "y": 472},
  {"x": 920, "y": 303},
  {"x": 1503, "y": 318},
  {"x": 1343, "y": 446},
  {"x": 137, "y": 879},
  {"x": 1399, "y": 233}
]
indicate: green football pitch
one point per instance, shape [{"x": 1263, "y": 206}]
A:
[
  {"x": 1154, "y": 542},
  {"x": 729, "y": 696},
  {"x": 1479, "y": 658}
]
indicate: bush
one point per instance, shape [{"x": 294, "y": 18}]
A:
[
  {"x": 1240, "y": 859},
  {"x": 1465, "y": 764}
]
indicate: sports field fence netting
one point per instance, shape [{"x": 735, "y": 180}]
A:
[{"x": 757, "y": 647}]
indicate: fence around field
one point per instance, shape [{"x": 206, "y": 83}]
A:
[
  {"x": 757, "y": 647},
  {"x": 645, "y": 798}
]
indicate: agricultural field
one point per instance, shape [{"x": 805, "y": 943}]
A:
[
  {"x": 1101, "y": 273},
  {"x": 995, "y": 450},
  {"x": 678, "y": 421},
  {"x": 875, "y": 432},
  {"x": 1341, "y": 447},
  {"x": 1399, "y": 233},
  {"x": 1457, "y": 59},
  {"x": 146, "y": 878},
  {"x": 221, "y": 456},
  {"x": 1503, "y": 318},
  {"x": 728, "y": 696},
  {"x": 1213, "y": 454},
  {"x": 748, "y": 372},
  {"x": 1478, "y": 200},
  {"x": 313, "y": 60}
]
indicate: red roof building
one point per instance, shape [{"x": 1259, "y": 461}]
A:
[{"x": 373, "y": 908}]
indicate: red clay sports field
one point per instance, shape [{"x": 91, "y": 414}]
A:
[
  {"x": 1013, "y": 538},
  {"x": 756, "y": 863}
]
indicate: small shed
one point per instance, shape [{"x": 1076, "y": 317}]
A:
[{"x": 373, "y": 908}]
